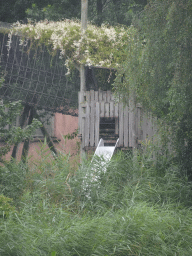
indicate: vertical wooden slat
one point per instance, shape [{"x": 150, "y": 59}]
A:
[
  {"x": 106, "y": 109},
  {"x": 116, "y": 110},
  {"x": 126, "y": 126},
  {"x": 111, "y": 109},
  {"x": 100, "y": 95},
  {"x": 150, "y": 130},
  {"x": 102, "y": 108},
  {"x": 121, "y": 124},
  {"x": 83, "y": 132},
  {"x": 92, "y": 120},
  {"x": 97, "y": 123},
  {"x": 88, "y": 97},
  {"x": 116, "y": 125},
  {"x": 144, "y": 126},
  {"x": 108, "y": 98},
  {"x": 138, "y": 122},
  {"x": 96, "y": 96},
  {"x": 87, "y": 125},
  {"x": 132, "y": 132},
  {"x": 104, "y": 96},
  {"x": 79, "y": 119},
  {"x": 112, "y": 97}
]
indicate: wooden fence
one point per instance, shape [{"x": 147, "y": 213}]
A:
[{"x": 132, "y": 125}]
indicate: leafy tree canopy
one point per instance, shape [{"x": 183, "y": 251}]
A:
[
  {"x": 159, "y": 68},
  {"x": 112, "y": 12}
]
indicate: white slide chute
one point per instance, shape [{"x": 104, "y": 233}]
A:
[
  {"x": 99, "y": 163},
  {"x": 105, "y": 151}
]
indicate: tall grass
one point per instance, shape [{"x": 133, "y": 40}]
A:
[{"x": 134, "y": 208}]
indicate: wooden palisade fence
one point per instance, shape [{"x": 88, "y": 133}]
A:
[{"x": 101, "y": 115}]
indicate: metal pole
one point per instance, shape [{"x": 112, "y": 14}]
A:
[{"x": 84, "y": 11}]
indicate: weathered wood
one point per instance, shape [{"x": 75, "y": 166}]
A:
[
  {"x": 104, "y": 96},
  {"x": 96, "y": 96},
  {"x": 116, "y": 110},
  {"x": 108, "y": 97},
  {"x": 97, "y": 123},
  {"x": 131, "y": 123},
  {"x": 126, "y": 126},
  {"x": 87, "y": 125},
  {"x": 102, "y": 109},
  {"x": 100, "y": 95},
  {"x": 116, "y": 125},
  {"x": 106, "y": 109},
  {"x": 88, "y": 97},
  {"x": 111, "y": 107},
  {"x": 92, "y": 120},
  {"x": 144, "y": 126},
  {"x": 138, "y": 122},
  {"x": 121, "y": 124}
]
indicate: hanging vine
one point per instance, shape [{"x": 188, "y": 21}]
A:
[{"x": 97, "y": 46}]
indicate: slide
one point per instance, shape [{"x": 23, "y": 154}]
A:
[{"x": 105, "y": 152}]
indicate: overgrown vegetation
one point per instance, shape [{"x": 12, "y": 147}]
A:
[
  {"x": 10, "y": 133},
  {"x": 158, "y": 70},
  {"x": 138, "y": 207}
]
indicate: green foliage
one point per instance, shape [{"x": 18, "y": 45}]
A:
[
  {"x": 112, "y": 12},
  {"x": 98, "y": 46},
  {"x": 55, "y": 10},
  {"x": 158, "y": 69},
  {"x": 5, "y": 206},
  {"x": 9, "y": 132},
  {"x": 139, "y": 209},
  {"x": 12, "y": 179}
]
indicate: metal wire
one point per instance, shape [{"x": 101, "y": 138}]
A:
[{"x": 36, "y": 77}]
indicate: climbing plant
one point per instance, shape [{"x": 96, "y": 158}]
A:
[{"x": 97, "y": 46}]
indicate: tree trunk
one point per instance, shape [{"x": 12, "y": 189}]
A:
[
  {"x": 46, "y": 134},
  {"x": 23, "y": 119},
  {"x": 26, "y": 141}
]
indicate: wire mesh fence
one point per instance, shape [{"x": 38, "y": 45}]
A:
[{"x": 36, "y": 77}]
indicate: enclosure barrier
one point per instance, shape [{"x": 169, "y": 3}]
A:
[{"x": 100, "y": 115}]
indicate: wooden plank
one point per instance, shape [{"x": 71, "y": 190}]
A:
[
  {"x": 121, "y": 124},
  {"x": 92, "y": 96},
  {"x": 87, "y": 126},
  {"x": 126, "y": 126},
  {"x": 102, "y": 109},
  {"x": 149, "y": 128},
  {"x": 144, "y": 126},
  {"x": 108, "y": 97},
  {"x": 92, "y": 124},
  {"x": 116, "y": 125},
  {"x": 88, "y": 97},
  {"x": 112, "y": 97},
  {"x": 104, "y": 96},
  {"x": 132, "y": 132},
  {"x": 79, "y": 119},
  {"x": 83, "y": 132},
  {"x": 138, "y": 122},
  {"x": 100, "y": 95},
  {"x": 111, "y": 109},
  {"x": 116, "y": 110},
  {"x": 97, "y": 123},
  {"x": 96, "y": 96},
  {"x": 106, "y": 109}
]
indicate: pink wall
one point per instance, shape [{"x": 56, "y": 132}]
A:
[{"x": 63, "y": 125}]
